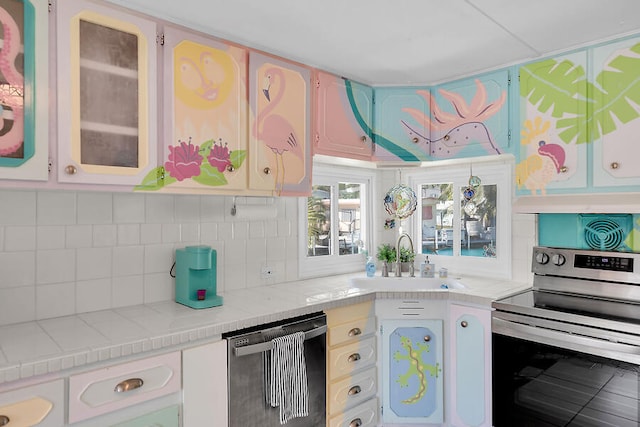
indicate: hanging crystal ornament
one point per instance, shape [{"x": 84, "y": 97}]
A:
[{"x": 474, "y": 181}]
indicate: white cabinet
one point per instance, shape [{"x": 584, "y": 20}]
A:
[
  {"x": 204, "y": 372},
  {"x": 112, "y": 388},
  {"x": 40, "y": 404},
  {"x": 470, "y": 366},
  {"x": 167, "y": 417},
  {"x": 351, "y": 359}
]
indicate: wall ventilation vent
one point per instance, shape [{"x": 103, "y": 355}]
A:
[{"x": 605, "y": 232}]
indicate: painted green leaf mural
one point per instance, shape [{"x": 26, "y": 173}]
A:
[
  {"x": 616, "y": 92},
  {"x": 210, "y": 176},
  {"x": 558, "y": 87}
]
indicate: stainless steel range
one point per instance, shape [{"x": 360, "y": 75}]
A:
[{"x": 567, "y": 352}]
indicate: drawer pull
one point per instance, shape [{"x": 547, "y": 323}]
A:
[
  {"x": 354, "y": 390},
  {"x": 354, "y": 357},
  {"x": 355, "y": 332},
  {"x": 355, "y": 423},
  {"x": 427, "y": 338},
  {"x": 127, "y": 385},
  {"x": 4, "y": 420},
  {"x": 464, "y": 324}
]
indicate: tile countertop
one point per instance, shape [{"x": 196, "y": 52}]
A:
[{"x": 51, "y": 346}]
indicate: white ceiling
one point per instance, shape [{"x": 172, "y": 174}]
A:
[{"x": 404, "y": 42}]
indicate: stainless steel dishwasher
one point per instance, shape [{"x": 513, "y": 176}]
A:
[{"x": 248, "y": 405}]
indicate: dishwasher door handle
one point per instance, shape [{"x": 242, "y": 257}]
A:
[{"x": 266, "y": 346}]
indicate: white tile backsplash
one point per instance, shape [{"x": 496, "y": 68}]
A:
[
  {"x": 19, "y": 238},
  {"x": 17, "y": 207}
]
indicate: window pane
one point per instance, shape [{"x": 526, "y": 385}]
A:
[
  {"x": 319, "y": 221},
  {"x": 349, "y": 236},
  {"x": 478, "y": 223},
  {"x": 437, "y": 219}
]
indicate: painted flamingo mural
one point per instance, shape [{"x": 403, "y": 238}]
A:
[
  {"x": 273, "y": 129},
  {"x": 448, "y": 133},
  {"x": 11, "y": 88}
]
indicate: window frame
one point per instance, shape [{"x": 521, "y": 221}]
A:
[
  {"x": 335, "y": 263},
  {"x": 497, "y": 172}
]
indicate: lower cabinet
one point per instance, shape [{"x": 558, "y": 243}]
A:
[
  {"x": 167, "y": 417},
  {"x": 351, "y": 366},
  {"x": 39, "y": 404},
  {"x": 469, "y": 379}
]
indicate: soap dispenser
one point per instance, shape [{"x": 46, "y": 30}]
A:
[{"x": 426, "y": 268}]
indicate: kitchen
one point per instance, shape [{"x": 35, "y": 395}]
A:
[{"x": 75, "y": 252}]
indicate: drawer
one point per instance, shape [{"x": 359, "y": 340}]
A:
[
  {"x": 351, "y": 357},
  {"x": 351, "y": 391},
  {"x": 167, "y": 417},
  {"x": 351, "y": 331},
  {"x": 336, "y": 316},
  {"x": 108, "y": 389},
  {"x": 363, "y": 415},
  {"x": 41, "y": 404}
]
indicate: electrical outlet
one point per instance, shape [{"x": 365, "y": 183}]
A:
[{"x": 267, "y": 272}]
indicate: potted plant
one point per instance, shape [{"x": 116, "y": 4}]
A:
[
  {"x": 406, "y": 258},
  {"x": 386, "y": 254}
]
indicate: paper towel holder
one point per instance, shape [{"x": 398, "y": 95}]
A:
[{"x": 234, "y": 207}]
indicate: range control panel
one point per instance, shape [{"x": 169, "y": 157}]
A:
[{"x": 585, "y": 264}]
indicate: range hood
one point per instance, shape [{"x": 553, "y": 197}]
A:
[{"x": 579, "y": 203}]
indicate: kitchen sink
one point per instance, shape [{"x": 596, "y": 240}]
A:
[{"x": 407, "y": 283}]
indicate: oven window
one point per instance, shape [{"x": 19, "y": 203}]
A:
[{"x": 540, "y": 385}]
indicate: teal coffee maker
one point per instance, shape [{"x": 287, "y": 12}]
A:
[{"x": 196, "y": 277}]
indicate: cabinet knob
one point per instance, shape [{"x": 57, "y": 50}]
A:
[
  {"x": 355, "y": 332},
  {"x": 354, "y": 390},
  {"x": 267, "y": 170},
  {"x": 127, "y": 385},
  {"x": 564, "y": 169},
  {"x": 230, "y": 168},
  {"x": 4, "y": 420},
  {"x": 354, "y": 357},
  {"x": 363, "y": 138},
  {"x": 355, "y": 422},
  {"x": 446, "y": 137},
  {"x": 415, "y": 139},
  {"x": 464, "y": 323},
  {"x": 70, "y": 170},
  {"x": 615, "y": 165},
  {"x": 427, "y": 338}
]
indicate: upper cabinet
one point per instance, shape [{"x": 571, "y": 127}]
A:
[
  {"x": 616, "y": 118},
  {"x": 107, "y": 104},
  {"x": 343, "y": 118},
  {"x": 24, "y": 90},
  {"x": 280, "y": 126},
  {"x": 401, "y": 117},
  {"x": 553, "y": 125},
  {"x": 205, "y": 114}
]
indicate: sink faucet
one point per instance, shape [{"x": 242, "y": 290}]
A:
[{"x": 398, "y": 264}]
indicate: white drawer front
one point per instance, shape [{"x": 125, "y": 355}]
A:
[
  {"x": 351, "y": 331},
  {"x": 352, "y": 391},
  {"x": 41, "y": 405},
  {"x": 349, "y": 358},
  {"x": 364, "y": 415},
  {"x": 94, "y": 393}
]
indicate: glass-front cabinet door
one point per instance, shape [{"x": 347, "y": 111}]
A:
[
  {"x": 23, "y": 90},
  {"x": 280, "y": 129},
  {"x": 106, "y": 94}
]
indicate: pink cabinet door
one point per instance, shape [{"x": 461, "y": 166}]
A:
[
  {"x": 342, "y": 118},
  {"x": 279, "y": 131}
]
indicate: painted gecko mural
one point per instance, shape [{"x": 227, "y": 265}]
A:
[{"x": 416, "y": 368}]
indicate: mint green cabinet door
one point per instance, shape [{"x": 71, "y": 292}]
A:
[
  {"x": 401, "y": 117},
  {"x": 167, "y": 417},
  {"x": 616, "y": 118},
  {"x": 552, "y": 153},
  {"x": 470, "y": 117}
]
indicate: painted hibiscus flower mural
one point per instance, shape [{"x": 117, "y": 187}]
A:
[{"x": 187, "y": 161}]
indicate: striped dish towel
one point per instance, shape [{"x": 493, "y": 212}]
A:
[{"x": 288, "y": 382}]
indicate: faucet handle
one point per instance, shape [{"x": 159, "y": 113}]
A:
[{"x": 412, "y": 270}]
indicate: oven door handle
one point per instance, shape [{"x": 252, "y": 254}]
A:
[
  {"x": 266, "y": 346},
  {"x": 581, "y": 343}
]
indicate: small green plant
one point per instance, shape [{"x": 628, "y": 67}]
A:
[
  {"x": 386, "y": 253},
  {"x": 406, "y": 255}
]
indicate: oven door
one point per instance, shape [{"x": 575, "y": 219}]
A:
[{"x": 548, "y": 373}]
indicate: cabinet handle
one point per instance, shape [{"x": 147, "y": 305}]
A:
[
  {"x": 267, "y": 170},
  {"x": 363, "y": 138},
  {"x": 354, "y": 357},
  {"x": 127, "y": 385},
  {"x": 355, "y": 423},
  {"x": 70, "y": 170},
  {"x": 415, "y": 140},
  {"x": 615, "y": 165},
  {"x": 564, "y": 169},
  {"x": 427, "y": 338},
  {"x": 4, "y": 420},
  {"x": 354, "y": 390},
  {"x": 355, "y": 332},
  {"x": 446, "y": 137},
  {"x": 230, "y": 168},
  {"x": 464, "y": 324}
]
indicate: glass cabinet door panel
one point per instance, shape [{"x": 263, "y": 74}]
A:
[{"x": 106, "y": 100}]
